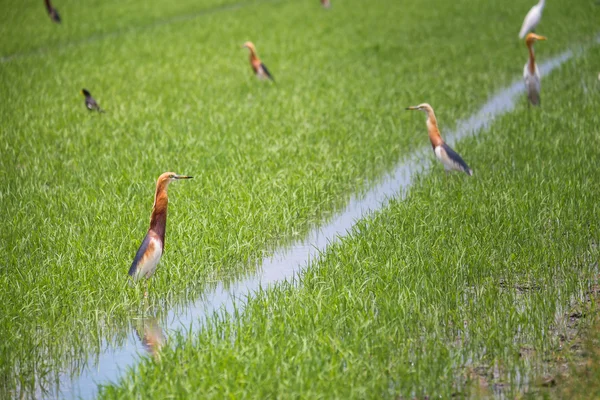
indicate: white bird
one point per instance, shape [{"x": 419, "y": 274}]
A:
[
  {"x": 532, "y": 19},
  {"x": 531, "y": 73}
]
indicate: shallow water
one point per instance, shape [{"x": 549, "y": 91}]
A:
[{"x": 146, "y": 335}]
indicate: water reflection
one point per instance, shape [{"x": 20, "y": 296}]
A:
[{"x": 150, "y": 334}]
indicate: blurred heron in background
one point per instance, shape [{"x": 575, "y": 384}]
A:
[
  {"x": 260, "y": 69},
  {"x": 532, "y": 19},
  {"x": 531, "y": 73},
  {"x": 451, "y": 160}
]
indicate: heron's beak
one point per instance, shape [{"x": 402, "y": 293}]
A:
[
  {"x": 542, "y": 38},
  {"x": 183, "y": 177},
  {"x": 412, "y": 108}
]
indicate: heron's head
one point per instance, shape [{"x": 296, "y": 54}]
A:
[
  {"x": 249, "y": 46},
  {"x": 169, "y": 177},
  {"x": 531, "y": 38},
  {"x": 426, "y": 108},
  {"x": 85, "y": 92}
]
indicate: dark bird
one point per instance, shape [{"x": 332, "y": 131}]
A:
[
  {"x": 148, "y": 255},
  {"x": 260, "y": 69},
  {"x": 451, "y": 160},
  {"x": 52, "y": 12},
  {"x": 90, "y": 102}
]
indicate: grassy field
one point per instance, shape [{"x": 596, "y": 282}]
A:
[
  {"x": 581, "y": 378},
  {"x": 269, "y": 160},
  {"x": 459, "y": 289}
]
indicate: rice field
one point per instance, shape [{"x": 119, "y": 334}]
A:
[{"x": 427, "y": 297}]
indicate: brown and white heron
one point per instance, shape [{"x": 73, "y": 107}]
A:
[
  {"x": 152, "y": 247},
  {"x": 260, "y": 69},
  {"x": 451, "y": 160},
  {"x": 531, "y": 73}
]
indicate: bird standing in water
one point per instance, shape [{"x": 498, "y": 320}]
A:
[
  {"x": 260, "y": 69},
  {"x": 52, "y": 12},
  {"x": 451, "y": 160},
  {"x": 532, "y": 19},
  {"x": 90, "y": 102},
  {"x": 148, "y": 255},
  {"x": 531, "y": 73}
]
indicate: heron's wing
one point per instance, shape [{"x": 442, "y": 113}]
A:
[
  {"x": 139, "y": 255},
  {"x": 533, "y": 85},
  {"x": 456, "y": 159},
  {"x": 264, "y": 67}
]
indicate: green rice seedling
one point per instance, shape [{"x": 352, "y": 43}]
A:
[
  {"x": 456, "y": 290},
  {"x": 269, "y": 162}
]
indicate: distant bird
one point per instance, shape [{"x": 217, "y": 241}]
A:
[
  {"x": 148, "y": 255},
  {"x": 258, "y": 67},
  {"x": 325, "y": 3},
  {"x": 90, "y": 102},
  {"x": 451, "y": 160},
  {"x": 531, "y": 73},
  {"x": 52, "y": 12},
  {"x": 532, "y": 19}
]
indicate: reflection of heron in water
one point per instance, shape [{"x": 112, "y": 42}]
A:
[{"x": 150, "y": 334}]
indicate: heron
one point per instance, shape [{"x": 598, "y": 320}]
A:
[
  {"x": 532, "y": 19},
  {"x": 451, "y": 160},
  {"x": 52, "y": 12},
  {"x": 90, "y": 102},
  {"x": 531, "y": 73},
  {"x": 148, "y": 255},
  {"x": 260, "y": 69}
]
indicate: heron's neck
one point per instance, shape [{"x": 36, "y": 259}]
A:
[
  {"x": 434, "y": 132},
  {"x": 542, "y": 3},
  {"x": 253, "y": 56},
  {"x": 158, "y": 220},
  {"x": 531, "y": 58}
]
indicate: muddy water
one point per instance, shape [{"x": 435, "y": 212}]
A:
[{"x": 286, "y": 263}]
